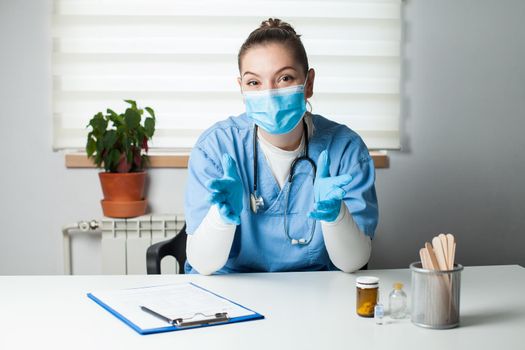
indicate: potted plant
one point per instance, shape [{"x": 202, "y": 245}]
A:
[{"x": 119, "y": 144}]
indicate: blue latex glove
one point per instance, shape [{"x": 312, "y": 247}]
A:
[
  {"x": 227, "y": 191},
  {"x": 328, "y": 191}
]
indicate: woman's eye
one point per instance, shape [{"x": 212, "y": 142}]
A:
[
  {"x": 252, "y": 83},
  {"x": 286, "y": 78}
]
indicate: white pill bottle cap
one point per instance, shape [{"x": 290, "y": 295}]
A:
[{"x": 367, "y": 282}]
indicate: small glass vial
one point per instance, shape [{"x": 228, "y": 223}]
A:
[
  {"x": 379, "y": 313},
  {"x": 367, "y": 294},
  {"x": 397, "y": 302}
]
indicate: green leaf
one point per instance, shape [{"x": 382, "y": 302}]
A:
[
  {"x": 98, "y": 159},
  {"x": 149, "y": 125},
  {"x": 113, "y": 159},
  {"x": 98, "y": 123},
  {"x": 125, "y": 142},
  {"x": 131, "y": 118},
  {"x": 129, "y": 157},
  {"x": 110, "y": 138},
  {"x": 132, "y": 103},
  {"x": 92, "y": 121},
  {"x": 118, "y": 121},
  {"x": 91, "y": 146},
  {"x": 111, "y": 112},
  {"x": 150, "y": 111},
  {"x": 100, "y": 146},
  {"x": 112, "y": 116}
]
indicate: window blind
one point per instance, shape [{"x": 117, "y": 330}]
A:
[{"x": 180, "y": 58}]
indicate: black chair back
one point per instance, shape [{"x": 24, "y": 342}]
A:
[{"x": 175, "y": 247}]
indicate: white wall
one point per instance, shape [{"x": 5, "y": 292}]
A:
[{"x": 460, "y": 169}]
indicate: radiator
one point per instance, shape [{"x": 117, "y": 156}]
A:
[{"x": 124, "y": 242}]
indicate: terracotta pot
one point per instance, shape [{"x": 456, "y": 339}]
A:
[
  {"x": 115, "y": 209},
  {"x": 123, "y": 186},
  {"x": 123, "y": 194}
]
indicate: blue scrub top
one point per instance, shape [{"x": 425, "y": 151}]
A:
[{"x": 260, "y": 243}]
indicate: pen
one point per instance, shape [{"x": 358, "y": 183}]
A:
[
  {"x": 179, "y": 322},
  {"x": 157, "y": 315}
]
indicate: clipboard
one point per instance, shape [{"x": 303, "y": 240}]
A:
[{"x": 171, "y": 307}]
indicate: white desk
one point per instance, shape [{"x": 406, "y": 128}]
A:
[{"x": 309, "y": 310}]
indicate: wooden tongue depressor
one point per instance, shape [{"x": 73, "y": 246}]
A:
[
  {"x": 443, "y": 290},
  {"x": 433, "y": 261},
  {"x": 425, "y": 259},
  {"x": 453, "y": 256},
  {"x": 444, "y": 245},
  {"x": 439, "y": 251},
  {"x": 429, "y": 262},
  {"x": 451, "y": 242}
]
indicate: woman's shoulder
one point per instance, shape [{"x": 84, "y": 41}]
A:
[
  {"x": 341, "y": 141},
  {"x": 326, "y": 128}
]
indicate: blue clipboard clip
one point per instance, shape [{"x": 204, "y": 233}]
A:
[{"x": 180, "y": 322}]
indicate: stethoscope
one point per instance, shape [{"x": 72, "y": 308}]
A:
[{"x": 257, "y": 202}]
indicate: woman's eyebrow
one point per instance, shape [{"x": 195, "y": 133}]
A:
[
  {"x": 247, "y": 72},
  {"x": 285, "y": 68},
  {"x": 277, "y": 72}
]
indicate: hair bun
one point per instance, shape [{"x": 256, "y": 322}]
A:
[
  {"x": 271, "y": 23},
  {"x": 273, "y": 30}
]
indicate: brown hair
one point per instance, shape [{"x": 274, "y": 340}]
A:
[{"x": 273, "y": 30}]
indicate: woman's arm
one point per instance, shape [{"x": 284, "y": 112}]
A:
[
  {"x": 348, "y": 248},
  {"x": 208, "y": 248}
]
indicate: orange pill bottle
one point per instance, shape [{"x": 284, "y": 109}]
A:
[{"x": 367, "y": 293}]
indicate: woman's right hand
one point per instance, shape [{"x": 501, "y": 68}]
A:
[{"x": 227, "y": 192}]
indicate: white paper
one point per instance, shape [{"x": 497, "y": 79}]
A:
[{"x": 183, "y": 300}]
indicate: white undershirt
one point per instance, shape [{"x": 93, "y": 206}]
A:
[
  {"x": 278, "y": 159},
  {"x": 209, "y": 246}
]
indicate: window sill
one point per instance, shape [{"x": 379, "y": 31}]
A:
[{"x": 80, "y": 160}]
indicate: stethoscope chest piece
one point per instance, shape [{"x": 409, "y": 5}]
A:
[
  {"x": 256, "y": 202},
  {"x": 300, "y": 241}
]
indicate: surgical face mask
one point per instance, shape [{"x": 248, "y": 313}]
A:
[{"x": 276, "y": 111}]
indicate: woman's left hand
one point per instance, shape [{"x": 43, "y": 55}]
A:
[{"x": 328, "y": 191}]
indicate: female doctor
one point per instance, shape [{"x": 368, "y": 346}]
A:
[{"x": 278, "y": 188}]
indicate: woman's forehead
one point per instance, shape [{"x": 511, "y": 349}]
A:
[{"x": 268, "y": 59}]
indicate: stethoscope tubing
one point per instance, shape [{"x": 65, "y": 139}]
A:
[
  {"x": 294, "y": 163},
  {"x": 256, "y": 200}
]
